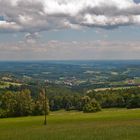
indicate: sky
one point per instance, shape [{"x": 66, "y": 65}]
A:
[{"x": 69, "y": 29}]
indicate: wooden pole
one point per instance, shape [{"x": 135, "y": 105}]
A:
[{"x": 45, "y": 106}]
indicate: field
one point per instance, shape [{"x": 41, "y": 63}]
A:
[
  {"x": 111, "y": 124},
  {"x": 7, "y": 84}
]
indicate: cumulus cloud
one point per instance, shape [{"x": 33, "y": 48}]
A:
[{"x": 42, "y": 15}]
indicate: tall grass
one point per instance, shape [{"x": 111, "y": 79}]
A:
[{"x": 110, "y": 124}]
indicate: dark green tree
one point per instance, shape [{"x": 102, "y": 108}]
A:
[
  {"x": 25, "y": 104},
  {"x": 134, "y": 102},
  {"x": 8, "y": 104}
]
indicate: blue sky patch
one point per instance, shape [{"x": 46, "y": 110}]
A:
[{"x": 1, "y": 18}]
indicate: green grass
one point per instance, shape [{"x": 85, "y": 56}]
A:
[
  {"x": 7, "y": 84},
  {"x": 115, "y": 88},
  {"x": 110, "y": 124}
]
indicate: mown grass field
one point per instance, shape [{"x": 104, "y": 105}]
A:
[
  {"x": 7, "y": 84},
  {"x": 110, "y": 124}
]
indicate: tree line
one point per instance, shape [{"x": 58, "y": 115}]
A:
[
  {"x": 22, "y": 103},
  {"x": 15, "y": 104},
  {"x": 95, "y": 100}
]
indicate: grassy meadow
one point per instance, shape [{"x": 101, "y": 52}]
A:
[{"x": 110, "y": 124}]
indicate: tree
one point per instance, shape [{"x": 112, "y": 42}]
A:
[
  {"x": 8, "y": 104},
  {"x": 39, "y": 108},
  {"x": 82, "y": 102},
  {"x": 25, "y": 103},
  {"x": 134, "y": 102},
  {"x": 56, "y": 103},
  {"x": 92, "y": 106}
]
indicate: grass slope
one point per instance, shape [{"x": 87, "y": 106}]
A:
[{"x": 111, "y": 124}]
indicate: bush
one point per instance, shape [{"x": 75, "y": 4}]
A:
[
  {"x": 3, "y": 113},
  {"x": 92, "y": 106}
]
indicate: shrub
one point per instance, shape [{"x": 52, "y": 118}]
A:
[
  {"x": 92, "y": 106},
  {"x": 3, "y": 113}
]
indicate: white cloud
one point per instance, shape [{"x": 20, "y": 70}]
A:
[
  {"x": 55, "y": 49},
  {"x": 40, "y": 15}
]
